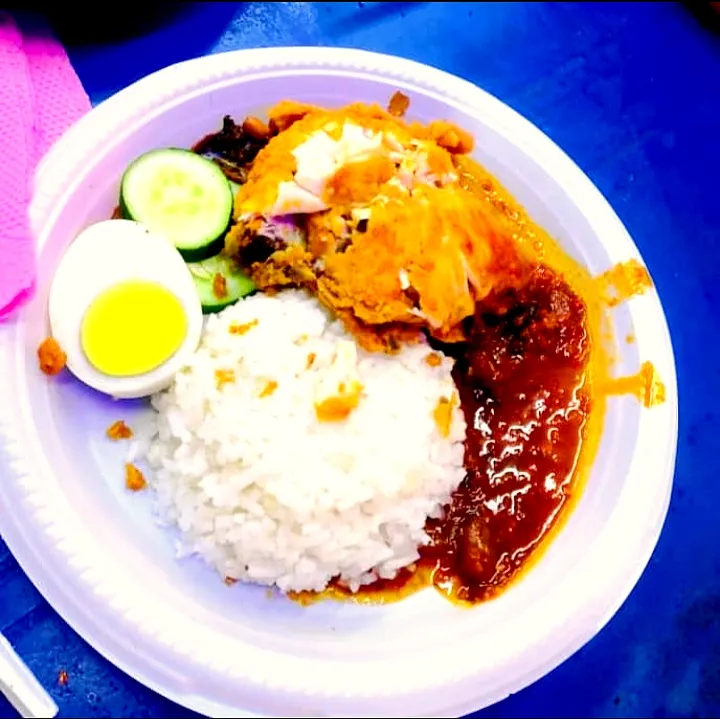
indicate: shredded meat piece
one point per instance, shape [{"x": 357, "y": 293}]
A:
[{"x": 51, "y": 357}]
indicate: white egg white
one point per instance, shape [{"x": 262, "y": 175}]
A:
[{"x": 103, "y": 255}]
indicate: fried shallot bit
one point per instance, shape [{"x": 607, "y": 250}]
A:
[
  {"x": 338, "y": 407},
  {"x": 51, "y": 357},
  {"x": 241, "y": 329},
  {"x": 270, "y": 387},
  {"x": 219, "y": 286},
  {"x": 433, "y": 359},
  {"x": 310, "y": 360},
  {"x": 230, "y": 581},
  {"x": 62, "y": 677},
  {"x": 223, "y": 377},
  {"x": 119, "y": 430},
  {"x": 134, "y": 478},
  {"x": 398, "y": 104},
  {"x": 442, "y": 414}
]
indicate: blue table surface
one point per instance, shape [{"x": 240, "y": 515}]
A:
[{"x": 632, "y": 93}]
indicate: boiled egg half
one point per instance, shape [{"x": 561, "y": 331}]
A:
[{"x": 124, "y": 308}]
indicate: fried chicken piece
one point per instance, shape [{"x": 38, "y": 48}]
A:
[{"x": 393, "y": 244}]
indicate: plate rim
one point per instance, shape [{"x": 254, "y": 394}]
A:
[{"x": 48, "y": 180}]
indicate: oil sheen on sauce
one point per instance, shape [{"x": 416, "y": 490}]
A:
[{"x": 523, "y": 389}]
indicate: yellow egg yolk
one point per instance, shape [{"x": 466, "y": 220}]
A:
[{"x": 132, "y": 328}]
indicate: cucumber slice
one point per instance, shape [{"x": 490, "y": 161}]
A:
[
  {"x": 219, "y": 282},
  {"x": 182, "y": 195}
]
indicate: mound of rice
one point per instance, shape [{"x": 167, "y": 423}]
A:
[{"x": 267, "y": 493}]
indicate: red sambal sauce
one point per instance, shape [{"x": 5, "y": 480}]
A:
[{"x": 522, "y": 383}]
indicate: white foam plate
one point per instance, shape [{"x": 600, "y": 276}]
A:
[{"x": 95, "y": 553}]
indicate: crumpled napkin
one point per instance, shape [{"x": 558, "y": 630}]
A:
[{"x": 40, "y": 97}]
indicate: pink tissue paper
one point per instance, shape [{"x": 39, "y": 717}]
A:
[{"x": 40, "y": 97}]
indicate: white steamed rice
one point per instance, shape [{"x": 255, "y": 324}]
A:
[{"x": 265, "y": 492}]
